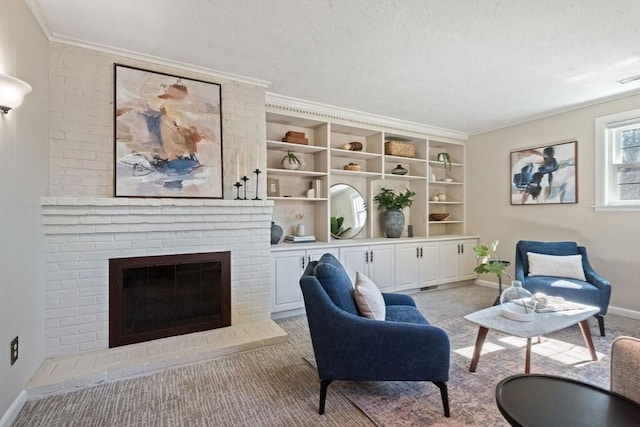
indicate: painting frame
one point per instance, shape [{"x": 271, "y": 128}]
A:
[
  {"x": 167, "y": 132},
  {"x": 545, "y": 175},
  {"x": 273, "y": 187}
]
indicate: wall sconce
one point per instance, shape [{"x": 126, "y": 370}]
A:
[{"x": 12, "y": 92}]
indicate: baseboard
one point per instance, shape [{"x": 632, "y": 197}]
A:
[
  {"x": 12, "y": 413},
  {"x": 287, "y": 313},
  {"x": 486, "y": 283},
  {"x": 624, "y": 312}
]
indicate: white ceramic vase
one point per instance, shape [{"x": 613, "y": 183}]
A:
[{"x": 288, "y": 163}]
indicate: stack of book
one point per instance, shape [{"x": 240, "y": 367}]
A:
[
  {"x": 548, "y": 304},
  {"x": 296, "y": 138},
  {"x": 299, "y": 239}
]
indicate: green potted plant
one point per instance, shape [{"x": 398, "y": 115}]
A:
[
  {"x": 488, "y": 260},
  {"x": 445, "y": 159},
  {"x": 336, "y": 226},
  {"x": 393, "y": 203},
  {"x": 291, "y": 161}
]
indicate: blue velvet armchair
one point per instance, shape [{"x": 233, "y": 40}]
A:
[
  {"x": 347, "y": 346},
  {"x": 594, "y": 291}
]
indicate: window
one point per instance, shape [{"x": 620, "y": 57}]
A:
[{"x": 618, "y": 161}]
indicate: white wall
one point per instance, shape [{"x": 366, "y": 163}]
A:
[
  {"x": 612, "y": 238},
  {"x": 23, "y": 174}
]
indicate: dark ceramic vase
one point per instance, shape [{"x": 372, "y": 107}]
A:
[
  {"x": 393, "y": 222},
  {"x": 276, "y": 233},
  {"x": 399, "y": 170}
]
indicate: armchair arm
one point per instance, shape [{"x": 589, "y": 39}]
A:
[
  {"x": 397, "y": 299},
  {"x": 596, "y": 280},
  {"x": 349, "y": 347},
  {"x": 590, "y": 274}
]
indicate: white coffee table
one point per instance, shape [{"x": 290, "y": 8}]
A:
[{"x": 542, "y": 324}]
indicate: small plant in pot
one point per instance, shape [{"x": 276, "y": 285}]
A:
[
  {"x": 445, "y": 159},
  {"x": 291, "y": 161},
  {"x": 489, "y": 261},
  {"x": 336, "y": 226},
  {"x": 393, "y": 203}
]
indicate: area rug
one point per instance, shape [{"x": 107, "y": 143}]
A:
[{"x": 472, "y": 395}]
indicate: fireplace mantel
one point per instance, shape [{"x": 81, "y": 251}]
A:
[{"x": 133, "y": 201}]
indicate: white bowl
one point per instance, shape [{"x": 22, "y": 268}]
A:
[{"x": 518, "y": 317}]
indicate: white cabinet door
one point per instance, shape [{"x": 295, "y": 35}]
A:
[
  {"x": 287, "y": 267},
  {"x": 381, "y": 266},
  {"x": 449, "y": 252},
  {"x": 429, "y": 264},
  {"x": 467, "y": 259},
  {"x": 355, "y": 258},
  {"x": 417, "y": 265},
  {"x": 457, "y": 260},
  {"x": 375, "y": 262},
  {"x": 407, "y": 266}
]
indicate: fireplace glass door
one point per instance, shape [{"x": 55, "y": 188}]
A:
[{"x": 156, "y": 297}]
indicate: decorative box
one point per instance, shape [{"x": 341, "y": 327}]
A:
[
  {"x": 296, "y": 138},
  {"x": 399, "y": 148}
]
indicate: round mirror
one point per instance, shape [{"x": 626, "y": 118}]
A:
[{"x": 348, "y": 211}]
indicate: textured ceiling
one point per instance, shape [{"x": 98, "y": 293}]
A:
[{"x": 468, "y": 66}]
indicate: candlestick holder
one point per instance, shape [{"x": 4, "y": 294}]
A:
[
  {"x": 237, "y": 185},
  {"x": 257, "y": 172},
  {"x": 244, "y": 185}
]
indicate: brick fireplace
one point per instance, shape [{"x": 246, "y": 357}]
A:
[{"x": 82, "y": 234}]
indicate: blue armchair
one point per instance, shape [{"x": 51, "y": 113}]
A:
[
  {"x": 594, "y": 291},
  {"x": 347, "y": 346}
]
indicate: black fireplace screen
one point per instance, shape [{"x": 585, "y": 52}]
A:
[{"x": 161, "y": 296}]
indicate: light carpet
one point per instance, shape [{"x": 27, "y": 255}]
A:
[{"x": 275, "y": 386}]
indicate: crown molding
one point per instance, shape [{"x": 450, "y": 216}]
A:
[
  {"x": 288, "y": 105},
  {"x": 558, "y": 111}
]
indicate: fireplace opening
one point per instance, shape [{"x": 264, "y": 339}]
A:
[{"x": 161, "y": 296}]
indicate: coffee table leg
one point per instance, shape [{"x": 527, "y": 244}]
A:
[
  {"x": 586, "y": 334},
  {"x": 482, "y": 334},
  {"x": 527, "y": 357}
]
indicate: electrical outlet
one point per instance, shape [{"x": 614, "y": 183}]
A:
[{"x": 14, "y": 350}]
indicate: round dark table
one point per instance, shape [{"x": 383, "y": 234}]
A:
[{"x": 544, "y": 400}]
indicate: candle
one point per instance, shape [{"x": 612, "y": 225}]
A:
[
  {"x": 245, "y": 162},
  {"x": 237, "y": 168},
  {"x": 257, "y": 156}
]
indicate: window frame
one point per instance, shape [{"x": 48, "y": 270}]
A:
[{"x": 606, "y": 163}]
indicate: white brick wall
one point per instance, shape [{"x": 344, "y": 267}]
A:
[
  {"x": 82, "y": 234},
  {"x": 81, "y": 121}
]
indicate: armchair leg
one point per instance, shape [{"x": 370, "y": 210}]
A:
[
  {"x": 323, "y": 394},
  {"x": 445, "y": 396},
  {"x": 600, "y": 318}
]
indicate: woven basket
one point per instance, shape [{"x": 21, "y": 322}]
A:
[{"x": 399, "y": 148}]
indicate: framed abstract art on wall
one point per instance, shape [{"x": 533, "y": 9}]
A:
[
  {"x": 545, "y": 175},
  {"x": 168, "y": 135}
]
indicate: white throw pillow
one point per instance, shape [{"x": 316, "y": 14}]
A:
[
  {"x": 569, "y": 266},
  {"x": 369, "y": 298}
]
